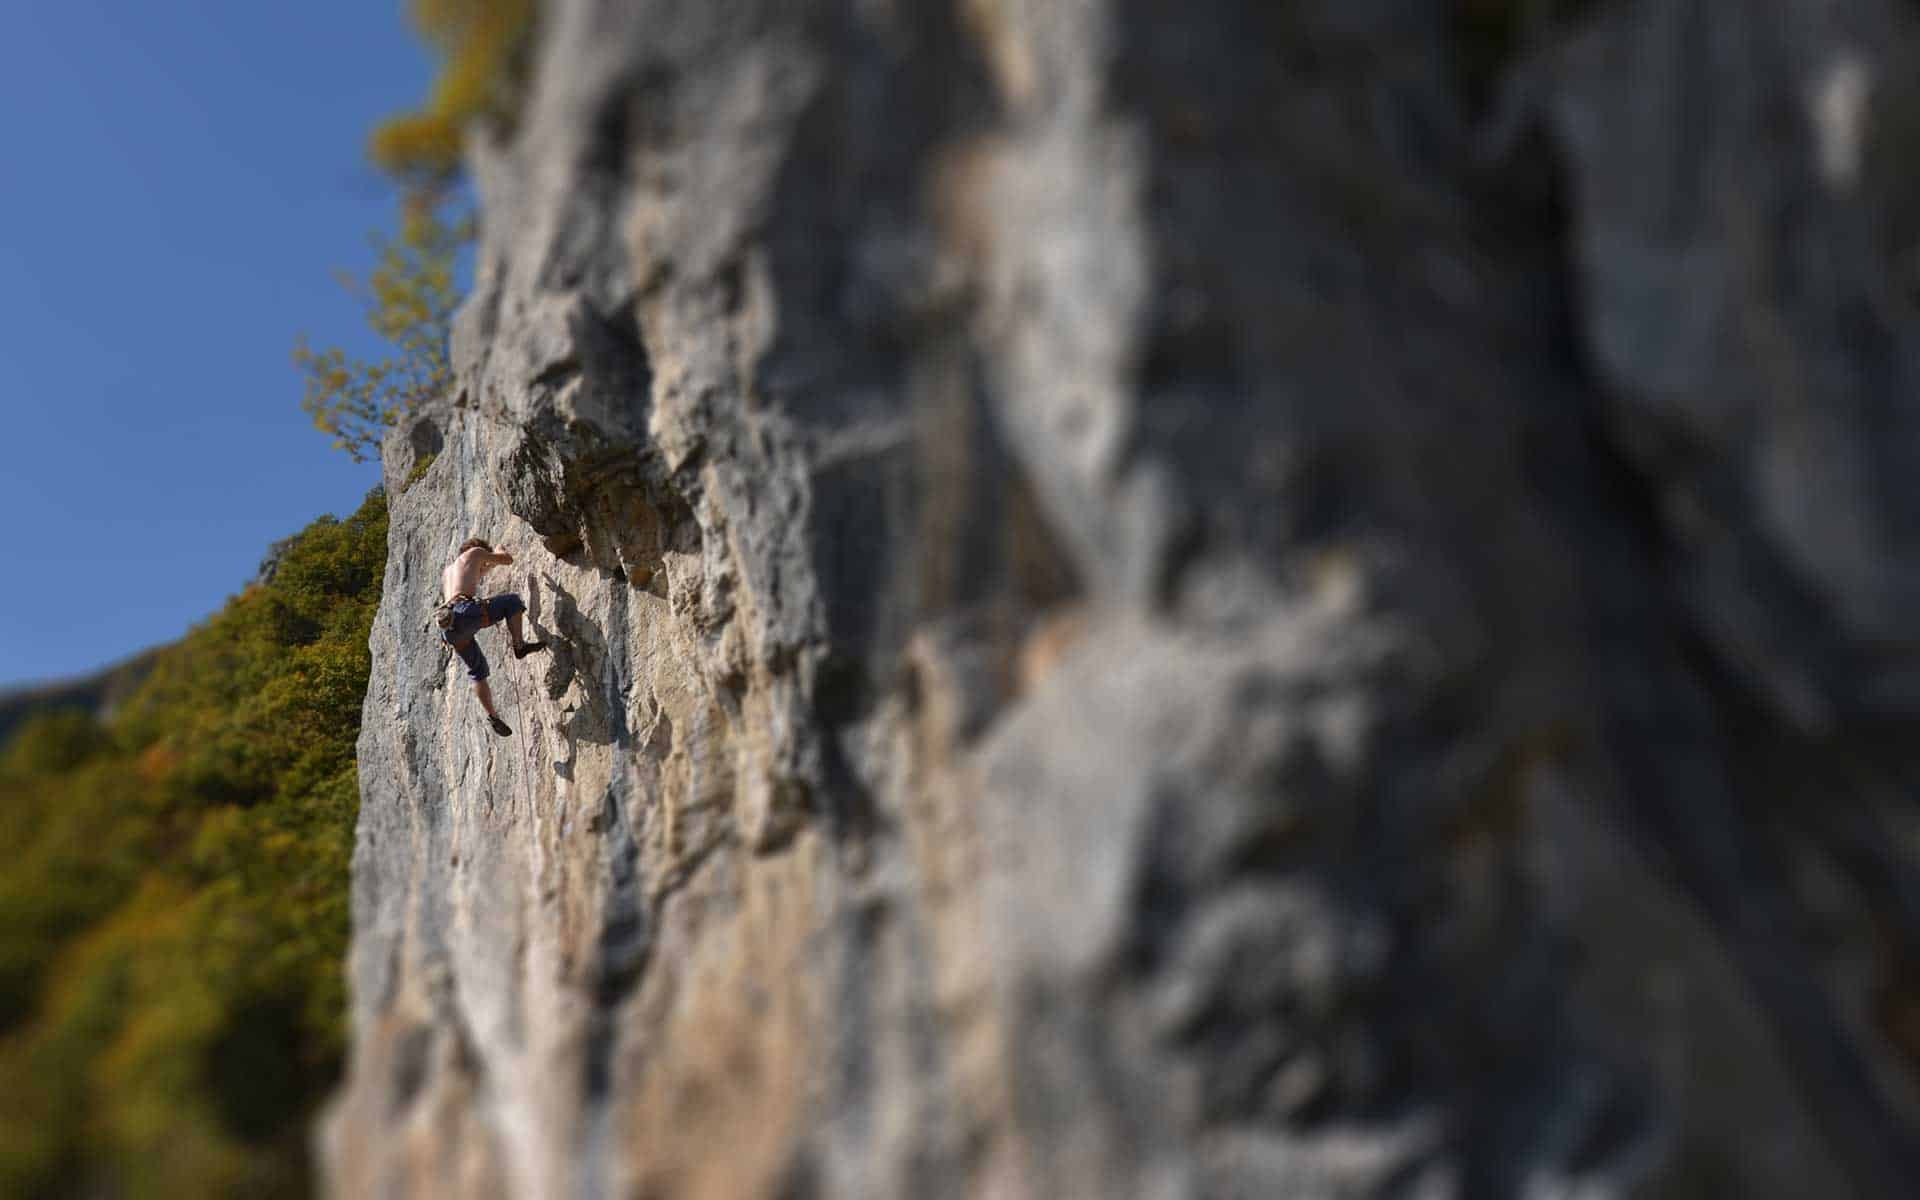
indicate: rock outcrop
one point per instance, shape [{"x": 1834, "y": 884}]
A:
[{"x": 1168, "y": 600}]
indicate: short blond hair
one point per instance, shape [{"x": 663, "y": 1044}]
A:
[{"x": 472, "y": 543}]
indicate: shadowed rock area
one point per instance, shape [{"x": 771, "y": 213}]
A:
[{"x": 1206, "y": 599}]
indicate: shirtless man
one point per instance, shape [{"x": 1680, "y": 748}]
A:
[{"x": 457, "y": 584}]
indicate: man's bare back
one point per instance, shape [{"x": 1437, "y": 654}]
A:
[{"x": 462, "y": 576}]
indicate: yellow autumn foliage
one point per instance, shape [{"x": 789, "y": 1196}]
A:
[{"x": 480, "y": 43}]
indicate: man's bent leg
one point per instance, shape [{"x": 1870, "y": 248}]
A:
[
  {"x": 521, "y": 646},
  {"x": 512, "y": 608}
]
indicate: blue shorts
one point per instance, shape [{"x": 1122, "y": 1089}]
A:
[{"x": 469, "y": 618}]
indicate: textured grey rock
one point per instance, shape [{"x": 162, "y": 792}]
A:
[{"x": 1146, "y": 605}]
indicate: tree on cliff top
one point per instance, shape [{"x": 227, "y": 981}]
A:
[
  {"x": 409, "y": 298},
  {"x": 481, "y": 44},
  {"x": 411, "y": 293}
]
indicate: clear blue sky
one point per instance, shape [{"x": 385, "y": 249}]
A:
[{"x": 179, "y": 184}]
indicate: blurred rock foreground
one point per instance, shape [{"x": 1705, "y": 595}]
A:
[{"x": 1205, "y": 599}]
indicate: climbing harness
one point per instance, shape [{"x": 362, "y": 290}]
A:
[{"x": 443, "y": 612}]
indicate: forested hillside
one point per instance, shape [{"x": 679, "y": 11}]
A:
[
  {"x": 102, "y": 692},
  {"x": 173, "y": 896}
]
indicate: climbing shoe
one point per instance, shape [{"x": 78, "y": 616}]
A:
[
  {"x": 500, "y": 727},
  {"x": 526, "y": 648}
]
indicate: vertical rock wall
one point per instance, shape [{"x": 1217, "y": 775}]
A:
[{"x": 1164, "y": 599}]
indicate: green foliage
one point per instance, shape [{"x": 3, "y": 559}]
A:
[
  {"x": 420, "y": 467},
  {"x": 481, "y": 44},
  {"x": 53, "y": 741},
  {"x": 409, "y": 300},
  {"x": 173, "y": 897}
]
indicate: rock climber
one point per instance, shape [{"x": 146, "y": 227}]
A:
[{"x": 465, "y": 616}]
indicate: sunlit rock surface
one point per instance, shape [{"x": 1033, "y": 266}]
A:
[{"x": 1152, "y": 599}]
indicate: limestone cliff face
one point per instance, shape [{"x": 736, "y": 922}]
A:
[{"x": 1149, "y": 602}]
